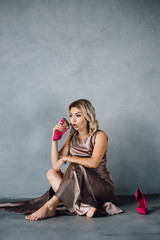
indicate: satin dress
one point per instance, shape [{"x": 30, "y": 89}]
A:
[{"x": 81, "y": 188}]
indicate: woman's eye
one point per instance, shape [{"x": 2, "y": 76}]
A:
[
  {"x": 78, "y": 115},
  {"x": 70, "y": 115}
]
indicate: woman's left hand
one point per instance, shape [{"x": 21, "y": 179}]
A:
[{"x": 57, "y": 165}]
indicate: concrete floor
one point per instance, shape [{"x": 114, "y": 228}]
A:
[{"x": 126, "y": 226}]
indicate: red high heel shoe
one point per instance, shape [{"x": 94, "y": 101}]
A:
[
  {"x": 57, "y": 134},
  {"x": 142, "y": 207}
]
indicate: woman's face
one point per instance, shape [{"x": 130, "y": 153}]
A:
[{"x": 77, "y": 119}]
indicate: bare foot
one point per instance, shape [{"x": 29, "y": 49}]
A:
[
  {"x": 42, "y": 213},
  {"x": 91, "y": 212}
]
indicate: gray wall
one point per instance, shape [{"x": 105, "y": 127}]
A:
[{"x": 55, "y": 51}]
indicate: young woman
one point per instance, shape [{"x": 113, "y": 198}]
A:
[{"x": 86, "y": 186}]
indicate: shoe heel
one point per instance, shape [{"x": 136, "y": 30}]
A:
[{"x": 142, "y": 206}]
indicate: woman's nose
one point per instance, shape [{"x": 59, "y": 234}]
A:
[{"x": 74, "y": 119}]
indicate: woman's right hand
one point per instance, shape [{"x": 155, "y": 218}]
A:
[
  {"x": 57, "y": 165},
  {"x": 59, "y": 127}
]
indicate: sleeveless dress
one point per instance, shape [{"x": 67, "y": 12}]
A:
[{"x": 81, "y": 188}]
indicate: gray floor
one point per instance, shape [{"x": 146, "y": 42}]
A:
[{"x": 129, "y": 225}]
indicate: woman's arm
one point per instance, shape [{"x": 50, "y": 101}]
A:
[
  {"x": 65, "y": 148},
  {"x": 55, "y": 154},
  {"x": 97, "y": 155}
]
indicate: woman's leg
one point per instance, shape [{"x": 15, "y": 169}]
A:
[
  {"x": 48, "y": 209},
  {"x": 75, "y": 192},
  {"x": 54, "y": 178}
]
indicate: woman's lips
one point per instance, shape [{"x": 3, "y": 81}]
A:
[{"x": 75, "y": 125}]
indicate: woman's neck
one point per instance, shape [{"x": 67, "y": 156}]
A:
[{"x": 83, "y": 134}]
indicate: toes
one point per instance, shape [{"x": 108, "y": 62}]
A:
[
  {"x": 91, "y": 212},
  {"x": 31, "y": 218}
]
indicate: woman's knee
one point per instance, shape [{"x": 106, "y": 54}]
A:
[{"x": 50, "y": 173}]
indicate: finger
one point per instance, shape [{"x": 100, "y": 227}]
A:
[
  {"x": 59, "y": 127},
  {"x": 59, "y": 170},
  {"x": 56, "y": 169},
  {"x": 60, "y": 123}
]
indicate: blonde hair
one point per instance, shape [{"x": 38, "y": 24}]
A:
[{"x": 89, "y": 113}]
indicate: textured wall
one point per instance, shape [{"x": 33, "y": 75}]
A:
[{"x": 53, "y": 52}]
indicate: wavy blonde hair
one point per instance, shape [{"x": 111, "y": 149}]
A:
[{"x": 89, "y": 113}]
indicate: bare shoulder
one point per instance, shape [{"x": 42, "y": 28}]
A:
[
  {"x": 101, "y": 136},
  {"x": 101, "y": 141}
]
